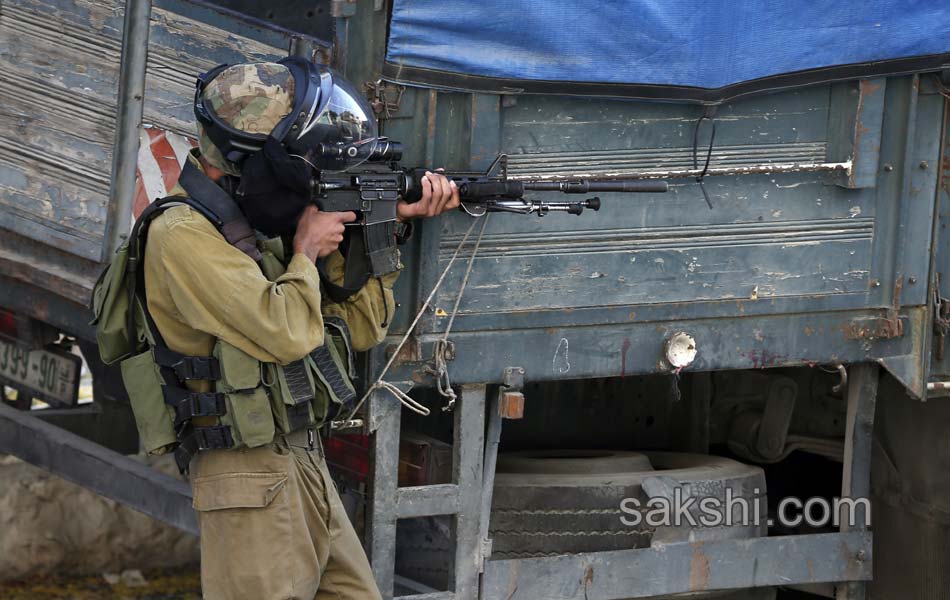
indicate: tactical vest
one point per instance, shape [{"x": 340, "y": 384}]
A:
[{"x": 251, "y": 401}]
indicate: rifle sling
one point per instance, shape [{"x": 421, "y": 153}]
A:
[{"x": 228, "y": 217}]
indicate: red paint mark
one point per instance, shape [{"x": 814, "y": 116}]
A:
[
  {"x": 8, "y": 323},
  {"x": 169, "y": 167},
  {"x": 141, "y": 197},
  {"x": 623, "y": 357},
  {"x": 763, "y": 359},
  {"x": 165, "y": 157}
]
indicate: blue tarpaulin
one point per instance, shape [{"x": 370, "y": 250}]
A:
[{"x": 691, "y": 49}]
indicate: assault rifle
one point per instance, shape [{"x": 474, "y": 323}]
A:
[{"x": 373, "y": 188}]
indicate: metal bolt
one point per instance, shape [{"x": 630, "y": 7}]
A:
[
  {"x": 875, "y": 283},
  {"x": 911, "y": 280},
  {"x": 862, "y": 555},
  {"x": 888, "y": 167},
  {"x": 923, "y": 164}
]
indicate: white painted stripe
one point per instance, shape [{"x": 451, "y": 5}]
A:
[
  {"x": 148, "y": 166},
  {"x": 180, "y": 144}
]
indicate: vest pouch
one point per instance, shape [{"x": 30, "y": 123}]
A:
[
  {"x": 330, "y": 396},
  {"x": 292, "y": 388},
  {"x": 153, "y": 418},
  {"x": 248, "y": 407},
  {"x": 110, "y": 305},
  {"x": 320, "y": 405}
]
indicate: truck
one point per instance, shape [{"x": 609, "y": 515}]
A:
[{"x": 770, "y": 330}]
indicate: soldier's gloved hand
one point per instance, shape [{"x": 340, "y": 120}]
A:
[
  {"x": 439, "y": 194},
  {"x": 320, "y": 233}
]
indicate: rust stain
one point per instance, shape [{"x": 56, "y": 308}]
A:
[
  {"x": 870, "y": 329},
  {"x": 809, "y": 331},
  {"x": 623, "y": 357},
  {"x": 430, "y": 123},
  {"x": 898, "y": 286},
  {"x": 944, "y": 176},
  {"x": 698, "y": 569},
  {"x": 410, "y": 352},
  {"x": 869, "y": 86},
  {"x": 945, "y": 173},
  {"x": 512, "y": 405}
]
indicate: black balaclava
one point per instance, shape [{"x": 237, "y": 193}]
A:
[{"x": 274, "y": 189}]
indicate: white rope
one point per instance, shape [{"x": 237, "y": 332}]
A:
[
  {"x": 442, "y": 382},
  {"x": 385, "y": 385}
]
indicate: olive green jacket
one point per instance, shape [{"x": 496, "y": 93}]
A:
[{"x": 201, "y": 288}]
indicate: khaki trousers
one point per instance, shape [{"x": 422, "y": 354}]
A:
[{"x": 273, "y": 527}]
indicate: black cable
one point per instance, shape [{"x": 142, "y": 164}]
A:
[
  {"x": 708, "y": 114},
  {"x": 382, "y": 291}
]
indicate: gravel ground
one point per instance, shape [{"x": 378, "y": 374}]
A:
[{"x": 165, "y": 584}]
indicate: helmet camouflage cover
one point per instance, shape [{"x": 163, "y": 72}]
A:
[{"x": 250, "y": 97}]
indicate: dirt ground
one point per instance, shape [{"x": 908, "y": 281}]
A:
[{"x": 164, "y": 584}]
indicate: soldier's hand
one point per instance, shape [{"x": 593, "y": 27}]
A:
[
  {"x": 320, "y": 233},
  {"x": 439, "y": 194}
]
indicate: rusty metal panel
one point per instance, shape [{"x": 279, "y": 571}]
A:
[
  {"x": 683, "y": 567},
  {"x": 855, "y": 119}
]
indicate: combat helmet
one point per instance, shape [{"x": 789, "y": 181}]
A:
[{"x": 308, "y": 108}]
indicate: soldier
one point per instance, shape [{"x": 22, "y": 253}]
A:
[{"x": 272, "y": 524}]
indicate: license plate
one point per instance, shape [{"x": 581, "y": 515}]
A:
[{"x": 51, "y": 375}]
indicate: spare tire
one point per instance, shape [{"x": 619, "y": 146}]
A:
[{"x": 569, "y": 501}]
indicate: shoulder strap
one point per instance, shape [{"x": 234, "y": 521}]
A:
[
  {"x": 355, "y": 270},
  {"x": 220, "y": 208},
  {"x": 215, "y": 205},
  {"x": 136, "y": 247}
]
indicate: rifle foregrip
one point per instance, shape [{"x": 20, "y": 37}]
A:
[
  {"x": 469, "y": 189},
  {"x": 413, "y": 185}
]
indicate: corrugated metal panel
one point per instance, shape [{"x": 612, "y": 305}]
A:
[{"x": 768, "y": 235}]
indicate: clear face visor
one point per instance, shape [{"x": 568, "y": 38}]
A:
[{"x": 344, "y": 135}]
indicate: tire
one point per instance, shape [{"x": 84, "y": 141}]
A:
[
  {"x": 563, "y": 502},
  {"x": 568, "y": 501}
]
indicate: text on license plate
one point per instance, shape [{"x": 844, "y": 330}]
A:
[{"x": 47, "y": 375}]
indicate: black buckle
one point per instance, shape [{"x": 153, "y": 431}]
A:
[
  {"x": 208, "y": 404},
  {"x": 213, "y": 437},
  {"x": 198, "y": 367},
  {"x": 188, "y": 404},
  {"x": 191, "y": 440},
  {"x": 187, "y": 367},
  {"x": 298, "y": 415}
]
